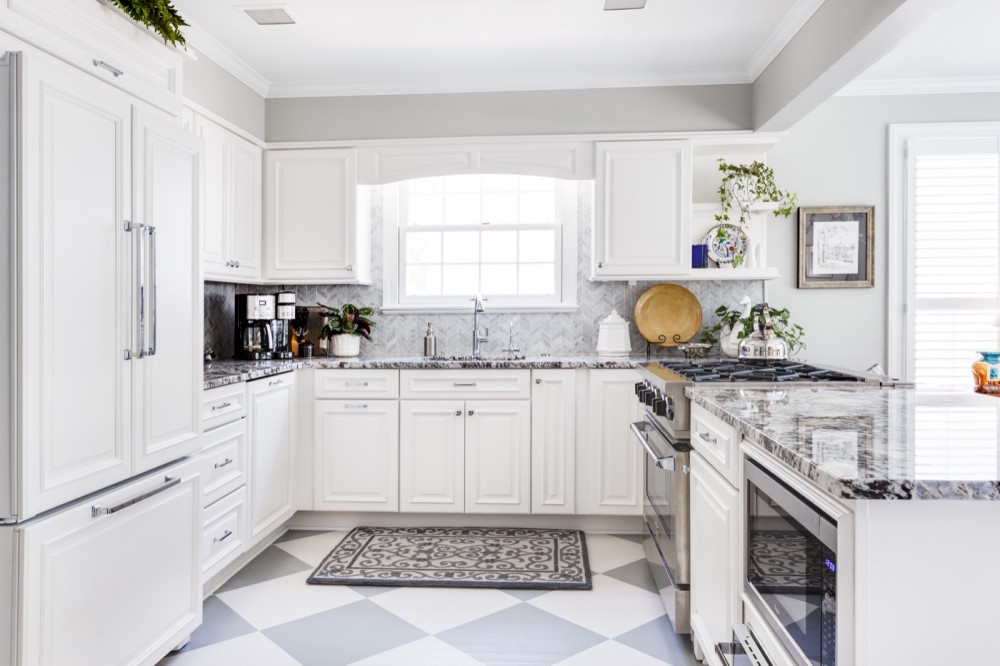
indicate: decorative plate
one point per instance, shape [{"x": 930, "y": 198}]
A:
[
  {"x": 725, "y": 242},
  {"x": 667, "y": 315}
]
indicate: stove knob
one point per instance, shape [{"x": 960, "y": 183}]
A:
[
  {"x": 651, "y": 395},
  {"x": 660, "y": 407},
  {"x": 670, "y": 408},
  {"x": 639, "y": 386}
]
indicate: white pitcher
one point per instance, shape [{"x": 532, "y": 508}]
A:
[{"x": 729, "y": 341}]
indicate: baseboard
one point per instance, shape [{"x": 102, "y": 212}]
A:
[{"x": 339, "y": 520}]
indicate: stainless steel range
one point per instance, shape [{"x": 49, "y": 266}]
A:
[{"x": 665, "y": 434}]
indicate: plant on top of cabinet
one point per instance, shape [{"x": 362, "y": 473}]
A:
[
  {"x": 160, "y": 15},
  {"x": 345, "y": 328},
  {"x": 781, "y": 326},
  {"x": 747, "y": 185}
]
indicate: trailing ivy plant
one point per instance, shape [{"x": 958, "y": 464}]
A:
[
  {"x": 781, "y": 326},
  {"x": 744, "y": 185},
  {"x": 160, "y": 15}
]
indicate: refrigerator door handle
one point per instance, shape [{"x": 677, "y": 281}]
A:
[
  {"x": 168, "y": 482},
  {"x": 151, "y": 233},
  {"x": 139, "y": 297}
]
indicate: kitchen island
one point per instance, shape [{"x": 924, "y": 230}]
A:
[{"x": 910, "y": 477}]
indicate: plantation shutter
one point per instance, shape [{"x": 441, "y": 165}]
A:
[{"x": 955, "y": 237}]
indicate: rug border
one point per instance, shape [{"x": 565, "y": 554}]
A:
[{"x": 586, "y": 584}]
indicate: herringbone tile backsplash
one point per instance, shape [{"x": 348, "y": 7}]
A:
[{"x": 402, "y": 334}]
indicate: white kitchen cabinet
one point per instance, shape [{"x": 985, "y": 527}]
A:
[
  {"x": 224, "y": 533},
  {"x": 96, "y": 405},
  {"x": 553, "y": 441},
  {"x": 271, "y": 428},
  {"x": 465, "y": 456},
  {"x": 615, "y": 459},
  {"x": 231, "y": 233},
  {"x": 642, "y": 210},
  {"x": 317, "y": 221},
  {"x": 715, "y": 557},
  {"x": 357, "y": 455}
]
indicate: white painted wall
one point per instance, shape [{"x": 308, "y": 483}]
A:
[
  {"x": 837, "y": 155},
  {"x": 212, "y": 87}
]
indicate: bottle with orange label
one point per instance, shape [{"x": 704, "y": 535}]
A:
[{"x": 986, "y": 372}]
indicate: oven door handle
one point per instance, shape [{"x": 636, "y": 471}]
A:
[{"x": 639, "y": 430}]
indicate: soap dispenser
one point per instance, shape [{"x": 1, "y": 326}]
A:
[{"x": 430, "y": 342}]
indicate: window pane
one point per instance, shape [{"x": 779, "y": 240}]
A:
[
  {"x": 499, "y": 183},
  {"x": 500, "y": 246},
  {"x": 537, "y": 279},
  {"x": 500, "y": 208},
  {"x": 500, "y": 279},
  {"x": 460, "y": 279},
  {"x": 423, "y": 247},
  {"x": 424, "y": 209},
  {"x": 461, "y": 247},
  {"x": 462, "y": 209},
  {"x": 538, "y": 208},
  {"x": 425, "y": 185},
  {"x": 423, "y": 281},
  {"x": 538, "y": 246},
  {"x": 463, "y": 183},
  {"x": 537, "y": 184}
]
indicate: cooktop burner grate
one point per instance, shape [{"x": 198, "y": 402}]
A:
[{"x": 756, "y": 371}]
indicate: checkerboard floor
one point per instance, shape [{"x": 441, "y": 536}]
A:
[{"x": 267, "y": 615}]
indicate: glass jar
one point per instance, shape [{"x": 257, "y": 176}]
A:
[{"x": 986, "y": 372}]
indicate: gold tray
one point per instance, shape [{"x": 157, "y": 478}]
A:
[{"x": 667, "y": 315}]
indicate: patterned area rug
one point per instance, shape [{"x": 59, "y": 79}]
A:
[{"x": 523, "y": 558}]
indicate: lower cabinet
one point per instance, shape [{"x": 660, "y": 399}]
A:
[
  {"x": 615, "y": 464},
  {"x": 271, "y": 427},
  {"x": 224, "y": 532},
  {"x": 469, "y": 456},
  {"x": 553, "y": 441},
  {"x": 715, "y": 557}
]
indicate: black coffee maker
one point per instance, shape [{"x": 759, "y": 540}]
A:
[
  {"x": 281, "y": 327},
  {"x": 254, "y": 340}
]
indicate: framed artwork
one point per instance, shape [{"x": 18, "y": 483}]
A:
[{"x": 835, "y": 247}]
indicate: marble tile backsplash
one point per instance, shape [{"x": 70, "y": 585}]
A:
[{"x": 402, "y": 334}]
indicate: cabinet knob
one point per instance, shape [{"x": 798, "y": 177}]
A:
[
  {"x": 471, "y": 412},
  {"x": 350, "y": 268},
  {"x": 458, "y": 412},
  {"x": 600, "y": 264},
  {"x": 538, "y": 381},
  {"x": 237, "y": 264}
]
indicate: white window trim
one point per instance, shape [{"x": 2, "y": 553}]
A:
[
  {"x": 568, "y": 264},
  {"x": 900, "y": 324}
]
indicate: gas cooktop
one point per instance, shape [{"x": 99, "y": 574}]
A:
[{"x": 725, "y": 370}]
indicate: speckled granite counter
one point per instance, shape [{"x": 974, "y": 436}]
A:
[
  {"x": 898, "y": 443},
  {"x": 222, "y": 373}
]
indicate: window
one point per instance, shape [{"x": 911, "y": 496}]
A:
[
  {"x": 947, "y": 252},
  {"x": 510, "y": 238}
]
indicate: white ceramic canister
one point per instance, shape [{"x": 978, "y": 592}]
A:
[{"x": 612, "y": 336}]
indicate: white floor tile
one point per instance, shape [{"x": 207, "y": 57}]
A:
[
  {"x": 606, "y": 552},
  {"x": 426, "y": 652},
  {"x": 285, "y": 599},
  {"x": 248, "y": 650},
  {"x": 610, "y": 609},
  {"x": 312, "y": 549},
  {"x": 610, "y": 652},
  {"x": 437, "y": 609}
]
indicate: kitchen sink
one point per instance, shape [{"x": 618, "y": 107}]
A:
[{"x": 484, "y": 358}]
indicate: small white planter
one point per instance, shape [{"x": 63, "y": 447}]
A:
[{"x": 344, "y": 345}]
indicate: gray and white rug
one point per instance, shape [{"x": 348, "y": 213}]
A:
[{"x": 539, "y": 559}]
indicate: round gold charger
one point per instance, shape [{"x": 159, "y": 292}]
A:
[{"x": 667, "y": 315}]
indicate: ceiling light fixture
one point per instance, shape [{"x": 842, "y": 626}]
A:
[
  {"x": 272, "y": 16},
  {"x": 613, "y": 5}
]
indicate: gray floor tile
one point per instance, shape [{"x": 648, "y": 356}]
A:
[
  {"x": 657, "y": 639},
  {"x": 525, "y": 595},
  {"x": 521, "y": 635},
  {"x": 272, "y": 563},
  {"x": 219, "y": 623},
  {"x": 343, "y": 635},
  {"x": 634, "y": 538},
  {"x": 292, "y": 535},
  {"x": 635, "y": 573},
  {"x": 371, "y": 590}
]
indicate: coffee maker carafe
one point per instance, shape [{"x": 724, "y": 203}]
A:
[
  {"x": 281, "y": 326},
  {"x": 254, "y": 313}
]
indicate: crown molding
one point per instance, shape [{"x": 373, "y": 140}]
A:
[
  {"x": 782, "y": 34},
  {"x": 929, "y": 86},
  {"x": 229, "y": 61}
]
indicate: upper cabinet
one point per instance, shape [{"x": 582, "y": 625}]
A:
[
  {"x": 317, "y": 224},
  {"x": 642, "y": 210},
  {"x": 231, "y": 232}
]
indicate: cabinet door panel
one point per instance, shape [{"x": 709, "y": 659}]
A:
[
  {"x": 616, "y": 463},
  {"x": 216, "y": 253},
  {"x": 553, "y": 441},
  {"x": 272, "y": 453},
  {"x": 431, "y": 456},
  {"x": 357, "y": 455},
  {"x": 245, "y": 200},
  {"x": 497, "y": 456},
  {"x": 75, "y": 266}
]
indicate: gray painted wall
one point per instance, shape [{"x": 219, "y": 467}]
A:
[
  {"x": 837, "y": 155},
  {"x": 655, "y": 109},
  {"x": 212, "y": 87}
]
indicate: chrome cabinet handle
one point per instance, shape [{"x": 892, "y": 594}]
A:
[
  {"x": 276, "y": 382},
  {"x": 355, "y": 384},
  {"x": 151, "y": 237},
  {"x": 227, "y": 461},
  {"x": 708, "y": 438},
  {"x": 225, "y": 535},
  {"x": 538, "y": 381},
  {"x": 463, "y": 383},
  {"x": 458, "y": 412},
  {"x": 111, "y": 68},
  {"x": 168, "y": 482},
  {"x": 356, "y": 405},
  {"x": 639, "y": 430},
  {"x": 221, "y": 406},
  {"x": 472, "y": 412}
]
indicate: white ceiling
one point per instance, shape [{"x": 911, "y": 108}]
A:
[{"x": 372, "y": 47}]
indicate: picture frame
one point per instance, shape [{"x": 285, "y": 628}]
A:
[{"x": 836, "y": 247}]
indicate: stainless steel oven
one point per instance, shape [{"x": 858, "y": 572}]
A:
[
  {"x": 791, "y": 567},
  {"x": 667, "y": 519}
]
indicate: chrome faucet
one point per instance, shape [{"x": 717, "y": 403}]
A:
[{"x": 477, "y": 337}]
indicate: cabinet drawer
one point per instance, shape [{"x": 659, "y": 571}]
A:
[
  {"x": 444, "y": 384},
  {"x": 224, "y": 531},
  {"x": 223, "y": 405},
  {"x": 357, "y": 383},
  {"x": 224, "y": 461},
  {"x": 717, "y": 442}
]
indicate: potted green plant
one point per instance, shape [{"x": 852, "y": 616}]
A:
[
  {"x": 160, "y": 15},
  {"x": 345, "y": 327},
  {"x": 735, "y": 320},
  {"x": 745, "y": 186}
]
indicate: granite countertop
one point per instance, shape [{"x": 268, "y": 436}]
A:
[
  {"x": 222, "y": 373},
  {"x": 872, "y": 444}
]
